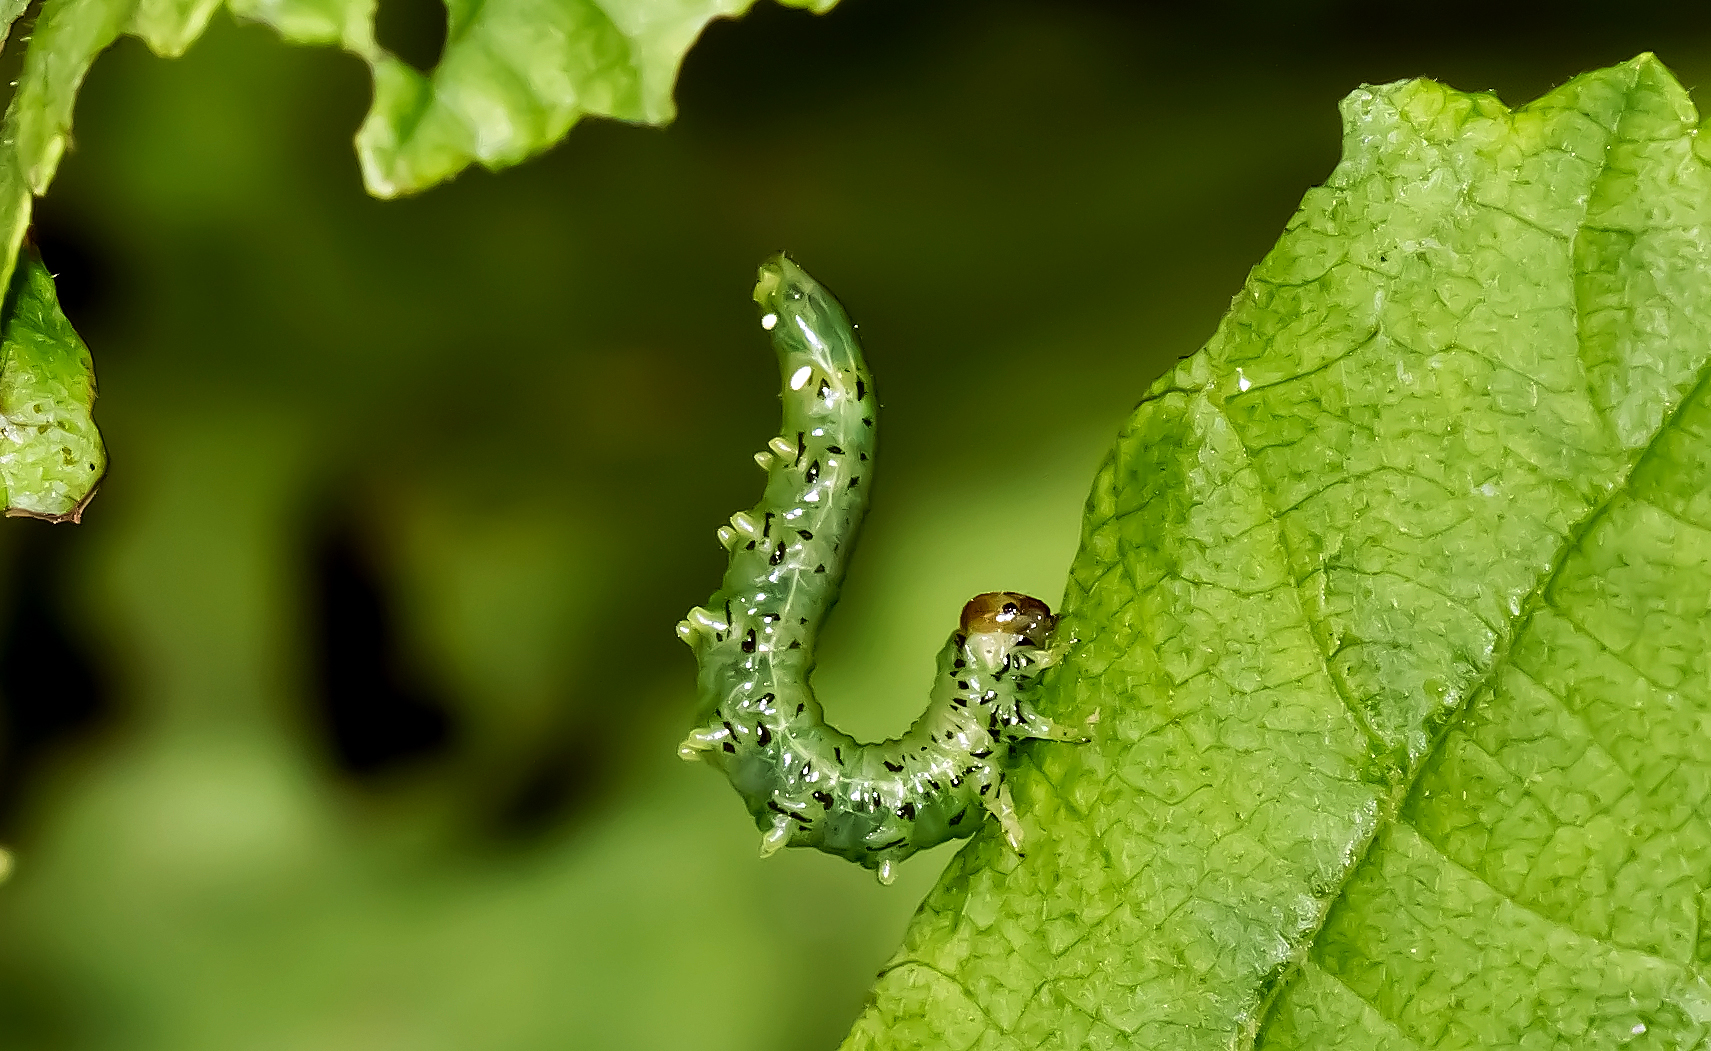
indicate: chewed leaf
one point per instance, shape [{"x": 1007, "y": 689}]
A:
[
  {"x": 1395, "y": 605},
  {"x": 51, "y": 456},
  {"x": 514, "y": 77},
  {"x": 516, "y": 74}
]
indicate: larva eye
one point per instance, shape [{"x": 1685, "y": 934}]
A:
[{"x": 1010, "y": 612}]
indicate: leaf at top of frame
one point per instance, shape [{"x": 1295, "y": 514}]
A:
[{"x": 514, "y": 76}]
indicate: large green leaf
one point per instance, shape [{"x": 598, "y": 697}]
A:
[
  {"x": 1394, "y": 606},
  {"x": 513, "y": 77}
]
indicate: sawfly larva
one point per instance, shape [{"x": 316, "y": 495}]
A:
[{"x": 808, "y": 784}]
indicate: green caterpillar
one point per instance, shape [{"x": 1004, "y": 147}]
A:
[{"x": 808, "y": 784}]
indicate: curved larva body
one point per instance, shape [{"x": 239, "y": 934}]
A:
[{"x": 806, "y": 783}]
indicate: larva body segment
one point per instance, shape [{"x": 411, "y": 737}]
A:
[{"x": 806, "y": 783}]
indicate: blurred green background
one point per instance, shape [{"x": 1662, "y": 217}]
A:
[{"x": 346, "y": 720}]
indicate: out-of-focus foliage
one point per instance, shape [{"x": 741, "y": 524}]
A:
[
  {"x": 507, "y": 415},
  {"x": 512, "y": 78},
  {"x": 1394, "y": 605}
]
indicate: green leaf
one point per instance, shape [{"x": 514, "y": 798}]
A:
[
  {"x": 516, "y": 74},
  {"x": 51, "y": 456},
  {"x": 513, "y": 78},
  {"x": 1394, "y": 607}
]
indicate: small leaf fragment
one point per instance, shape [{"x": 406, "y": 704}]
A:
[{"x": 51, "y": 455}]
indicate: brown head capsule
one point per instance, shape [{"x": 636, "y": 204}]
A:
[{"x": 1008, "y": 611}]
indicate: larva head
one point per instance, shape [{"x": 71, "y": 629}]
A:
[
  {"x": 1010, "y": 612},
  {"x": 999, "y": 623}
]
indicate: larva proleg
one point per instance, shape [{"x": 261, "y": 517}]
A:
[{"x": 808, "y": 784}]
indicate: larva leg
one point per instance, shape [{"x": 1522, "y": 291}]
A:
[
  {"x": 1003, "y": 808},
  {"x": 806, "y": 783},
  {"x": 1046, "y": 730}
]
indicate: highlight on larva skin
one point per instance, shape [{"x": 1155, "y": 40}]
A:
[{"x": 808, "y": 784}]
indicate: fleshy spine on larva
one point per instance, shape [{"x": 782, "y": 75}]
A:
[{"x": 808, "y": 784}]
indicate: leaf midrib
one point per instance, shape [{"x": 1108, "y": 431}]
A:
[{"x": 1536, "y": 600}]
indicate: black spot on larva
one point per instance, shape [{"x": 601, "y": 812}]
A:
[
  {"x": 861, "y": 390},
  {"x": 801, "y": 620},
  {"x": 834, "y": 449},
  {"x": 821, "y": 568},
  {"x": 936, "y": 786},
  {"x": 961, "y": 640},
  {"x": 982, "y": 754},
  {"x": 807, "y": 770},
  {"x": 867, "y": 421},
  {"x": 823, "y": 799},
  {"x": 795, "y": 644},
  {"x": 763, "y": 735},
  {"x": 855, "y": 480},
  {"x": 864, "y": 457},
  {"x": 838, "y": 754},
  {"x": 800, "y": 708},
  {"x": 804, "y": 534},
  {"x": 985, "y": 788},
  {"x": 961, "y": 684},
  {"x": 906, "y": 811},
  {"x": 813, "y": 474},
  {"x": 793, "y": 815},
  {"x": 894, "y": 843},
  {"x": 960, "y": 702},
  {"x": 749, "y": 641},
  {"x": 766, "y": 699},
  {"x": 801, "y": 447},
  {"x": 729, "y": 747},
  {"x": 777, "y": 555},
  {"x": 766, "y": 523},
  {"x": 959, "y": 816},
  {"x": 825, "y": 391},
  {"x": 896, "y": 768},
  {"x": 956, "y": 782},
  {"x": 989, "y": 696}
]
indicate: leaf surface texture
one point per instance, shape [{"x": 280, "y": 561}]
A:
[{"x": 1394, "y": 606}]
